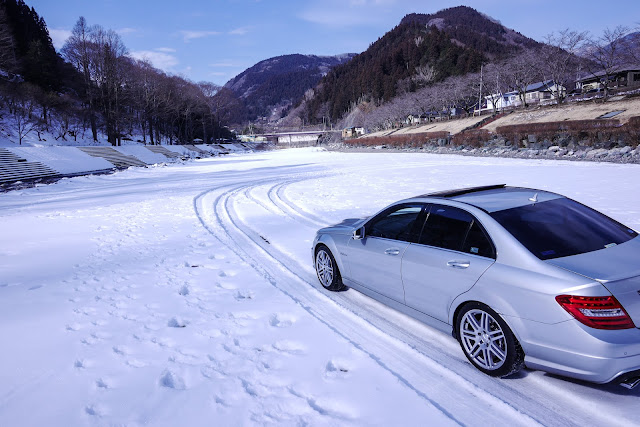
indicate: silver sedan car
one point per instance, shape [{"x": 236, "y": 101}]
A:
[{"x": 521, "y": 277}]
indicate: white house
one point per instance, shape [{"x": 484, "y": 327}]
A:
[{"x": 540, "y": 92}]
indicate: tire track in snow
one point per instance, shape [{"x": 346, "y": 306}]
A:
[
  {"x": 556, "y": 397},
  {"x": 215, "y": 211},
  {"x": 294, "y": 213}
]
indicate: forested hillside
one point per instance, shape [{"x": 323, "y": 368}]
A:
[
  {"x": 421, "y": 50},
  {"x": 278, "y": 82},
  {"x": 26, "y": 48},
  {"x": 95, "y": 89}
]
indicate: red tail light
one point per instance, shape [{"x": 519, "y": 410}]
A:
[{"x": 596, "y": 312}]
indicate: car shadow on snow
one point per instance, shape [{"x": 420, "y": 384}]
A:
[{"x": 612, "y": 387}]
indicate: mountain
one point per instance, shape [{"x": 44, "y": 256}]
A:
[
  {"x": 276, "y": 83},
  {"x": 469, "y": 28},
  {"x": 422, "y": 49}
]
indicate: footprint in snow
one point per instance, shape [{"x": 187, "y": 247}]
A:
[
  {"x": 338, "y": 368},
  {"x": 176, "y": 322},
  {"x": 136, "y": 363},
  {"x": 226, "y": 286},
  {"x": 73, "y": 327},
  {"x": 121, "y": 350},
  {"x": 282, "y": 320},
  {"x": 104, "y": 383},
  {"x": 172, "y": 380},
  {"x": 244, "y": 295},
  {"x": 89, "y": 341},
  {"x": 163, "y": 342},
  {"x": 82, "y": 364},
  {"x": 290, "y": 347},
  {"x": 96, "y": 410}
]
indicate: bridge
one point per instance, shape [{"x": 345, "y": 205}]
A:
[{"x": 292, "y": 139}]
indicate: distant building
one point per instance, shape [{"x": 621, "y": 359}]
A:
[
  {"x": 415, "y": 119},
  {"x": 352, "y": 132},
  {"x": 626, "y": 76},
  {"x": 252, "y": 138},
  {"x": 540, "y": 92}
]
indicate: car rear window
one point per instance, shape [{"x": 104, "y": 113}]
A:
[{"x": 562, "y": 227}]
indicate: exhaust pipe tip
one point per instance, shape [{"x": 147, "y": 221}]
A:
[{"x": 630, "y": 383}]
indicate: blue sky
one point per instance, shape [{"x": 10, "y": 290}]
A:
[{"x": 214, "y": 40}]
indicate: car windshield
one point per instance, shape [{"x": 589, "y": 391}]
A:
[{"x": 562, "y": 227}]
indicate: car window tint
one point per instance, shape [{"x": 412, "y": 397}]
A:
[
  {"x": 446, "y": 227},
  {"x": 397, "y": 224},
  {"x": 562, "y": 227},
  {"x": 478, "y": 243}
]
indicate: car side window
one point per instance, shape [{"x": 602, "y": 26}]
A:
[
  {"x": 397, "y": 224},
  {"x": 478, "y": 243},
  {"x": 452, "y": 228}
]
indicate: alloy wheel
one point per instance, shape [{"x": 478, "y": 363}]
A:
[
  {"x": 483, "y": 339},
  {"x": 324, "y": 268}
]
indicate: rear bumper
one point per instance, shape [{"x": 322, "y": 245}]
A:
[{"x": 574, "y": 350}]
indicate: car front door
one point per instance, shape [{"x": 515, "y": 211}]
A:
[
  {"x": 375, "y": 260},
  {"x": 451, "y": 254}
]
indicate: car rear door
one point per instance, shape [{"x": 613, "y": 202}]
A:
[
  {"x": 452, "y": 252},
  {"x": 375, "y": 260}
]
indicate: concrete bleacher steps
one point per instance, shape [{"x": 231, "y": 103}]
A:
[
  {"x": 200, "y": 151},
  {"x": 14, "y": 168},
  {"x": 113, "y": 156},
  {"x": 158, "y": 149},
  {"x": 223, "y": 150}
]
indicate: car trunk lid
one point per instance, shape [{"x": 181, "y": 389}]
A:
[{"x": 617, "y": 268}]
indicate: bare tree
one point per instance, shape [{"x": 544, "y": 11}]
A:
[
  {"x": 107, "y": 61},
  {"x": 79, "y": 51},
  {"x": 560, "y": 61},
  {"x": 22, "y": 112},
  {"x": 607, "y": 54},
  {"x": 522, "y": 71},
  {"x": 425, "y": 74},
  {"x": 466, "y": 91},
  {"x": 209, "y": 120},
  {"x": 494, "y": 82}
]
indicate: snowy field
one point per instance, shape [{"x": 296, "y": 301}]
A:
[{"x": 185, "y": 295}]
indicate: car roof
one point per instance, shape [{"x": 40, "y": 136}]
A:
[{"x": 493, "y": 198}]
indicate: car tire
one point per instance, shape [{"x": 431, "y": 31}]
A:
[
  {"x": 487, "y": 341},
  {"x": 327, "y": 269}
]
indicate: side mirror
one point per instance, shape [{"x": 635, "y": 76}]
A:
[{"x": 358, "y": 234}]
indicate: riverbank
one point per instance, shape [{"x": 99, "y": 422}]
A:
[{"x": 623, "y": 155}]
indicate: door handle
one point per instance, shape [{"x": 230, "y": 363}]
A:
[
  {"x": 459, "y": 264},
  {"x": 392, "y": 251}
]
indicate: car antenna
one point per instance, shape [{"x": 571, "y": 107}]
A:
[{"x": 534, "y": 199}]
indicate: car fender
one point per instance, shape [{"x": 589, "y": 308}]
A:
[
  {"x": 514, "y": 323},
  {"x": 329, "y": 241}
]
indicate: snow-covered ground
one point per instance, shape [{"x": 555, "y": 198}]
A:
[{"x": 185, "y": 295}]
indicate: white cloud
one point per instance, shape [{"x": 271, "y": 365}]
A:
[
  {"x": 340, "y": 13},
  {"x": 123, "y": 31},
  {"x": 59, "y": 37},
  {"x": 239, "y": 31},
  {"x": 222, "y": 64},
  {"x": 158, "y": 59},
  {"x": 165, "y": 49},
  {"x": 189, "y": 35}
]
